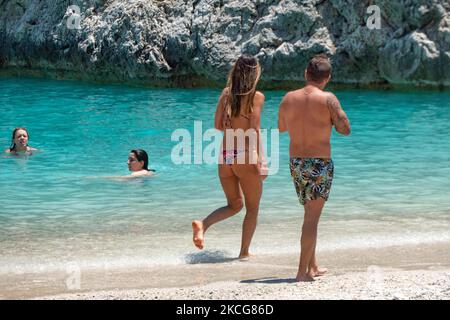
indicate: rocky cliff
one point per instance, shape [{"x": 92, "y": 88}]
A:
[{"x": 194, "y": 42}]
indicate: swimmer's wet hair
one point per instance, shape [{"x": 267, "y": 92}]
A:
[
  {"x": 141, "y": 155},
  {"x": 319, "y": 68},
  {"x": 13, "y": 145}
]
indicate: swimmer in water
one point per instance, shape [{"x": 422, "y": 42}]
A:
[
  {"x": 138, "y": 163},
  {"x": 19, "y": 143}
]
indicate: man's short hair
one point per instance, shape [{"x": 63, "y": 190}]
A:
[{"x": 319, "y": 68}]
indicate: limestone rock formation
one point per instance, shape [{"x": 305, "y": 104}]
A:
[{"x": 194, "y": 42}]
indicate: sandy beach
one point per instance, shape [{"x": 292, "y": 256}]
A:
[
  {"x": 400, "y": 272},
  {"x": 392, "y": 284}
]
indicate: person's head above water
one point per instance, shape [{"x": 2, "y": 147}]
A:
[
  {"x": 318, "y": 71},
  {"x": 242, "y": 81},
  {"x": 19, "y": 141},
  {"x": 137, "y": 160}
]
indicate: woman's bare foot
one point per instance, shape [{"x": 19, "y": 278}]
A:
[
  {"x": 317, "y": 272},
  {"x": 197, "y": 228},
  {"x": 244, "y": 256},
  {"x": 304, "y": 277}
]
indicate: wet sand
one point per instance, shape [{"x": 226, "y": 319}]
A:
[{"x": 399, "y": 272}]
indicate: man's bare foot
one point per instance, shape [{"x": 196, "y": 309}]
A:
[
  {"x": 304, "y": 277},
  {"x": 197, "y": 228},
  {"x": 317, "y": 272}
]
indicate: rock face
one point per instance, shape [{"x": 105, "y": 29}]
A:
[{"x": 194, "y": 42}]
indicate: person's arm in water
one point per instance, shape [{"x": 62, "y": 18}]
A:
[
  {"x": 218, "y": 118},
  {"x": 30, "y": 149},
  {"x": 281, "y": 122},
  {"x": 124, "y": 178},
  {"x": 338, "y": 116},
  {"x": 143, "y": 173}
]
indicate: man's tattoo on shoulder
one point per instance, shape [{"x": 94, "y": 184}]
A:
[{"x": 334, "y": 106}]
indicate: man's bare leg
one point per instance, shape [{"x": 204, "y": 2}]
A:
[
  {"x": 313, "y": 265},
  {"x": 313, "y": 209},
  {"x": 232, "y": 191}
]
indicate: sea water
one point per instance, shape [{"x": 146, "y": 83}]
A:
[{"x": 58, "y": 207}]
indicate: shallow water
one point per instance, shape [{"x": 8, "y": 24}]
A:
[{"x": 391, "y": 183}]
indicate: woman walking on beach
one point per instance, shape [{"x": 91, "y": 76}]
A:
[{"x": 241, "y": 166}]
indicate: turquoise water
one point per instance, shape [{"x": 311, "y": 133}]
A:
[{"x": 391, "y": 184}]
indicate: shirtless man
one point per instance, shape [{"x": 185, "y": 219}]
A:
[{"x": 308, "y": 114}]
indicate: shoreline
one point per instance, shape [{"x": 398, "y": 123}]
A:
[
  {"x": 404, "y": 272},
  {"x": 195, "y": 82}
]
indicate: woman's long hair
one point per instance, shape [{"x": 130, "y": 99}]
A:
[
  {"x": 13, "y": 144},
  {"x": 141, "y": 155},
  {"x": 242, "y": 81}
]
